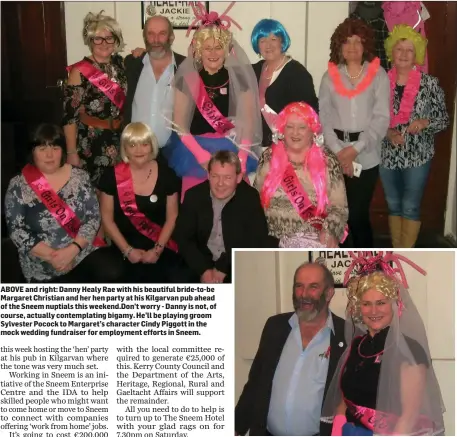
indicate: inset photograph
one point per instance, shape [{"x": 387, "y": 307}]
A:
[{"x": 344, "y": 343}]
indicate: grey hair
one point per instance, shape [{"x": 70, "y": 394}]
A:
[
  {"x": 170, "y": 25},
  {"x": 329, "y": 281},
  {"x": 94, "y": 23}
]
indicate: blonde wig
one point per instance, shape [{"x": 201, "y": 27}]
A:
[
  {"x": 223, "y": 36},
  {"x": 402, "y": 32},
  {"x": 95, "y": 23},
  {"x": 358, "y": 285},
  {"x": 138, "y": 133}
]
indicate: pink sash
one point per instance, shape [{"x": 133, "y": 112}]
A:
[
  {"x": 96, "y": 77},
  {"x": 64, "y": 215},
  {"x": 129, "y": 207},
  {"x": 385, "y": 422},
  {"x": 299, "y": 198},
  {"x": 207, "y": 107}
]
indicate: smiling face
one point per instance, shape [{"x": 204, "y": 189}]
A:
[
  {"x": 138, "y": 154},
  {"x": 270, "y": 47},
  {"x": 352, "y": 49},
  {"x": 223, "y": 180},
  {"x": 404, "y": 55},
  {"x": 213, "y": 55},
  {"x": 297, "y": 134},
  {"x": 47, "y": 158},
  {"x": 376, "y": 310},
  {"x": 310, "y": 295},
  {"x": 103, "y": 48}
]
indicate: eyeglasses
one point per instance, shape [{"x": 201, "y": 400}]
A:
[{"x": 98, "y": 40}]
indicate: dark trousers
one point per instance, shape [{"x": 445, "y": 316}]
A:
[
  {"x": 101, "y": 266},
  {"x": 169, "y": 269},
  {"x": 359, "y": 193}
]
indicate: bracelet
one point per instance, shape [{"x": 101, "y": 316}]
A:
[
  {"x": 159, "y": 246},
  {"x": 127, "y": 252},
  {"x": 77, "y": 245},
  {"x": 72, "y": 152}
]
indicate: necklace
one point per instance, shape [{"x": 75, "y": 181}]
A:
[
  {"x": 352, "y": 77},
  {"x": 148, "y": 176},
  {"x": 367, "y": 356},
  {"x": 274, "y": 71},
  {"x": 211, "y": 90},
  {"x": 360, "y": 87}
]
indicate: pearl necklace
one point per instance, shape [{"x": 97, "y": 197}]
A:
[
  {"x": 274, "y": 71},
  {"x": 352, "y": 77}
]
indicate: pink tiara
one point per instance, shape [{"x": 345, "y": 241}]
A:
[
  {"x": 367, "y": 262},
  {"x": 206, "y": 18}
]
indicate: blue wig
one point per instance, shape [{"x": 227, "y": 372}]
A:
[{"x": 266, "y": 27}]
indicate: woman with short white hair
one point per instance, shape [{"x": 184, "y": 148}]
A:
[
  {"x": 94, "y": 97},
  {"x": 139, "y": 207}
]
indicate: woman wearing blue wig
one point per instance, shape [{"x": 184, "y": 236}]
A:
[{"x": 282, "y": 80}]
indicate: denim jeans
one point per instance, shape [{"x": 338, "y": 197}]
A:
[{"x": 404, "y": 189}]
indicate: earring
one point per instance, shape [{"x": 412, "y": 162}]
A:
[{"x": 260, "y": 56}]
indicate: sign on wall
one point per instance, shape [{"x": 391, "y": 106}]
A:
[
  {"x": 180, "y": 14},
  {"x": 336, "y": 261}
]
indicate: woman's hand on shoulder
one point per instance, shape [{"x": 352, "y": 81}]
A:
[
  {"x": 138, "y": 52},
  {"x": 74, "y": 78}
]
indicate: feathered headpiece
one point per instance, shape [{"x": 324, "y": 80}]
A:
[
  {"x": 382, "y": 272},
  {"x": 205, "y": 18}
]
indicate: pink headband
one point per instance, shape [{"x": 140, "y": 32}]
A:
[{"x": 206, "y": 18}]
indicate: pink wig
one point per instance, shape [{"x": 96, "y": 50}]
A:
[{"x": 315, "y": 160}]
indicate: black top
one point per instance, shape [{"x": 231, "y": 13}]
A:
[
  {"x": 400, "y": 89},
  {"x": 293, "y": 84},
  {"x": 218, "y": 90},
  {"x": 167, "y": 184},
  {"x": 359, "y": 382},
  {"x": 243, "y": 226}
]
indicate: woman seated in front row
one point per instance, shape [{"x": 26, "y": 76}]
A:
[
  {"x": 301, "y": 184},
  {"x": 139, "y": 206},
  {"x": 53, "y": 217}
]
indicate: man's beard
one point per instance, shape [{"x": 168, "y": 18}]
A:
[
  {"x": 158, "y": 51},
  {"x": 317, "y": 306}
]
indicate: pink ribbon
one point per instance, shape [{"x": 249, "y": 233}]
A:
[
  {"x": 369, "y": 263},
  {"x": 206, "y": 18}
]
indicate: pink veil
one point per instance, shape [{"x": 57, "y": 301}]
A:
[{"x": 244, "y": 108}]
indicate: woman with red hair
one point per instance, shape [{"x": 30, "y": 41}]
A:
[
  {"x": 300, "y": 182},
  {"x": 354, "y": 110}
]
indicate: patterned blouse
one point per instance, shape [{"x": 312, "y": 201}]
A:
[
  {"x": 283, "y": 219},
  {"x": 30, "y": 222},
  {"x": 97, "y": 148},
  {"x": 418, "y": 149}
]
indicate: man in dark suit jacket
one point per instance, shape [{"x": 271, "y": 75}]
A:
[
  {"x": 158, "y": 37},
  {"x": 217, "y": 216},
  {"x": 262, "y": 408}
]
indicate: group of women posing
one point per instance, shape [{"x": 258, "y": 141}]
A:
[{"x": 311, "y": 185}]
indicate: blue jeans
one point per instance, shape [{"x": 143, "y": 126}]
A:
[{"x": 404, "y": 189}]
